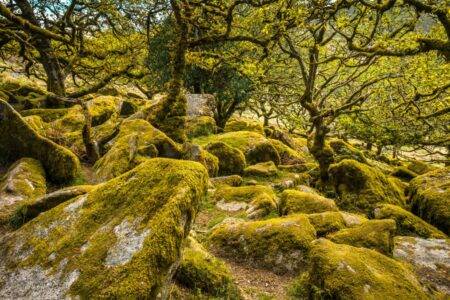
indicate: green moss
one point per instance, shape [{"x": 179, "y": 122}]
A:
[
  {"x": 407, "y": 223},
  {"x": 419, "y": 167},
  {"x": 18, "y": 139},
  {"x": 293, "y": 201},
  {"x": 279, "y": 244},
  {"x": 261, "y": 199},
  {"x": 262, "y": 152},
  {"x": 429, "y": 197},
  {"x": 199, "y": 270},
  {"x": 264, "y": 169},
  {"x": 47, "y": 114},
  {"x": 155, "y": 202},
  {"x": 288, "y": 156},
  {"x": 22, "y": 184},
  {"x": 403, "y": 173},
  {"x": 231, "y": 180},
  {"x": 243, "y": 124},
  {"x": 198, "y": 154},
  {"x": 345, "y": 272},
  {"x": 200, "y": 126},
  {"x": 242, "y": 140},
  {"x": 343, "y": 150},
  {"x": 373, "y": 234},
  {"x": 327, "y": 222},
  {"x": 37, "y": 124},
  {"x": 136, "y": 141},
  {"x": 231, "y": 160},
  {"x": 361, "y": 187}
]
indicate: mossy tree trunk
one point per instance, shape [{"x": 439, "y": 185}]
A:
[{"x": 318, "y": 149}]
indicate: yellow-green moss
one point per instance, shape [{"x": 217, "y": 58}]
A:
[
  {"x": 231, "y": 180},
  {"x": 419, "y": 167},
  {"x": 199, "y": 270},
  {"x": 23, "y": 183},
  {"x": 137, "y": 140},
  {"x": 242, "y": 140},
  {"x": 327, "y": 222},
  {"x": 407, "y": 223},
  {"x": 200, "y": 126},
  {"x": 293, "y": 201},
  {"x": 47, "y": 114},
  {"x": 159, "y": 198},
  {"x": 429, "y": 197},
  {"x": 231, "y": 160},
  {"x": 262, "y": 152},
  {"x": 18, "y": 139},
  {"x": 403, "y": 173},
  {"x": 343, "y": 150},
  {"x": 373, "y": 234},
  {"x": 264, "y": 169},
  {"x": 261, "y": 199},
  {"x": 345, "y": 272},
  {"x": 361, "y": 187},
  {"x": 279, "y": 244},
  {"x": 37, "y": 124},
  {"x": 288, "y": 156},
  {"x": 243, "y": 124},
  {"x": 198, "y": 154}
]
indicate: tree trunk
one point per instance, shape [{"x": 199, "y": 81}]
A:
[
  {"x": 266, "y": 121},
  {"x": 379, "y": 150},
  {"x": 369, "y": 146},
  {"x": 92, "y": 151},
  {"x": 322, "y": 154}
]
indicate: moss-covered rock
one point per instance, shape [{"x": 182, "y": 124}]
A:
[
  {"x": 277, "y": 134},
  {"x": 37, "y": 124},
  {"x": 23, "y": 183},
  {"x": 242, "y": 140},
  {"x": 429, "y": 197},
  {"x": 18, "y": 139},
  {"x": 47, "y": 114},
  {"x": 231, "y": 160},
  {"x": 136, "y": 141},
  {"x": 262, "y": 152},
  {"x": 339, "y": 271},
  {"x": 403, "y": 173},
  {"x": 256, "y": 200},
  {"x": 279, "y": 244},
  {"x": 407, "y": 223},
  {"x": 361, "y": 187},
  {"x": 430, "y": 259},
  {"x": 293, "y": 201},
  {"x": 29, "y": 210},
  {"x": 121, "y": 240},
  {"x": 373, "y": 234},
  {"x": 200, "y": 126},
  {"x": 196, "y": 153},
  {"x": 199, "y": 270},
  {"x": 343, "y": 150},
  {"x": 419, "y": 167},
  {"x": 243, "y": 124},
  {"x": 264, "y": 169},
  {"x": 288, "y": 156},
  {"x": 327, "y": 222},
  {"x": 231, "y": 180}
]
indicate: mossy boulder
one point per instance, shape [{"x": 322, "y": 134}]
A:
[
  {"x": 200, "y": 126},
  {"x": 37, "y": 124},
  {"x": 23, "y": 183},
  {"x": 373, "y": 234},
  {"x": 288, "y": 156},
  {"x": 47, "y": 114},
  {"x": 429, "y": 197},
  {"x": 338, "y": 271},
  {"x": 18, "y": 139},
  {"x": 407, "y": 223},
  {"x": 361, "y": 187},
  {"x": 420, "y": 167},
  {"x": 279, "y": 244},
  {"x": 264, "y": 169},
  {"x": 277, "y": 134},
  {"x": 200, "y": 270},
  {"x": 29, "y": 210},
  {"x": 121, "y": 240},
  {"x": 231, "y": 180},
  {"x": 293, "y": 201},
  {"x": 256, "y": 200},
  {"x": 403, "y": 173},
  {"x": 430, "y": 259},
  {"x": 242, "y": 140},
  {"x": 262, "y": 152},
  {"x": 231, "y": 160},
  {"x": 343, "y": 150},
  {"x": 136, "y": 141},
  {"x": 196, "y": 153},
  {"x": 243, "y": 124},
  {"x": 327, "y": 222}
]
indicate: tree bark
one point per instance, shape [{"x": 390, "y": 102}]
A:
[
  {"x": 318, "y": 149},
  {"x": 369, "y": 146}
]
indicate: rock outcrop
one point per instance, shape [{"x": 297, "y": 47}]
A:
[{"x": 121, "y": 240}]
